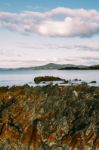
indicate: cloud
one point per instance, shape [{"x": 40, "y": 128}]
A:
[
  {"x": 62, "y": 22},
  {"x": 68, "y": 28},
  {"x": 87, "y": 48},
  {"x": 26, "y": 54}
]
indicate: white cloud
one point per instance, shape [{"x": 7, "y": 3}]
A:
[
  {"x": 72, "y": 27},
  {"x": 75, "y": 22}
]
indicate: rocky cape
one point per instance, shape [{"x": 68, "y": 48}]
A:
[{"x": 49, "y": 118}]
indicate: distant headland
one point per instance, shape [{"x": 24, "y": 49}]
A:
[{"x": 51, "y": 66}]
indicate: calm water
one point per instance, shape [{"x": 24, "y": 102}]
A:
[{"x": 21, "y": 77}]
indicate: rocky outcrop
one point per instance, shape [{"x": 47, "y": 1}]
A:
[
  {"x": 49, "y": 118},
  {"x": 40, "y": 79}
]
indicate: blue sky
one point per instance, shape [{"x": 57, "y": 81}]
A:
[
  {"x": 43, "y": 31},
  {"x": 20, "y": 5}
]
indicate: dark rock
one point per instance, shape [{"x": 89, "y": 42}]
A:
[
  {"x": 40, "y": 79},
  {"x": 93, "y": 82}
]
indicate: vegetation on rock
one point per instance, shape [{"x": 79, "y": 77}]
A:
[
  {"x": 49, "y": 118},
  {"x": 40, "y": 79}
]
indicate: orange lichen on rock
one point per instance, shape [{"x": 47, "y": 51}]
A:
[
  {"x": 5, "y": 117},
  {"x": 96, "y": 143},
  {"x": 27, "y": 134},
  {"x": 52, "y": 139},
  {"x": 44, "y": 118},
  {"x": 66, "y": 140}
]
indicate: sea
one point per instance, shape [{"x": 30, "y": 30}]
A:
[{"x": 26, "y": 76}]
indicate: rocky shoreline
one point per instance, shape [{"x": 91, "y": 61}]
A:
[{"x": 50, "y": 117}]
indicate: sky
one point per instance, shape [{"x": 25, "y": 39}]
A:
[{"x": 38, "y": 32}]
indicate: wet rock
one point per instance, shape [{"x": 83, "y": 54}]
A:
[
  {"x": 77, "y": 79},
  {"x": 93, "y": 82}
]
